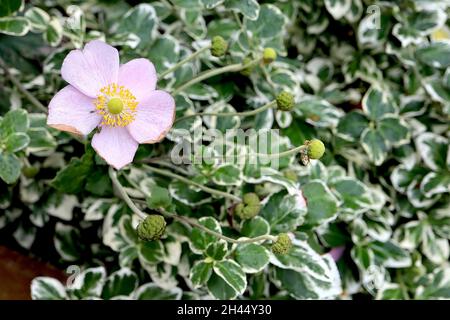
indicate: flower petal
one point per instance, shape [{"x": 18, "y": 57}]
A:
[
  {"x": 91, "y": 69},
  {"x": 115, "y": 145},
  {"x": 70, "y": 110},
  {"x": 337, "y": 252},
  {"x": 139, "y": 76},
  {"x": 154, "y": 118}
]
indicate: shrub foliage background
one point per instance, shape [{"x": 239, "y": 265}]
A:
[{"x": 378, "y": 98}]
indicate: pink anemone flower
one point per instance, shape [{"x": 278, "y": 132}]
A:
[{"x": 120, "y": 100}]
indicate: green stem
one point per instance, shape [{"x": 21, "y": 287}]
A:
[
  {"x": 230, "y": 114},
  {"x": 269, "y": 81},
  {"x": 124, "y": 195},
  {"x": 143, "y": 215},
  {"x": 213, "y": 233},
  {"x": 167, "y": 165},
  {"x": 238, "y": 20},
  {"x": 286, "y": 153},
  {"x": 21, "y": 88},
  {"x": 211, "y": 73},
  {"x": 192, "y": 183},
  {"x": 187, "y": 59}
]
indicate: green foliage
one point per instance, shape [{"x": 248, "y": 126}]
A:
[
  {"x": 13, "y": 138},
  {"x": 373, "y": 89}
]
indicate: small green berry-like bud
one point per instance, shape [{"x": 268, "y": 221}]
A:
[
  {"x": 152, "y": 228},
  {"x": 249, "y": 207},
  {"x": 247, "y": 71},
  {"x": 269, "y": 55},
  {"x": 218, "y": 46},
  {"x": 285, "y": 101},
  {"x": 282, "y": 245},
  {"x": 316, "y": 149},
  {"x": 251, "y": 199},
  {"x": 30, "y": 171}
]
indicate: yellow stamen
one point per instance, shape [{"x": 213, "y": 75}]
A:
[{"x": 117, "y": 105}]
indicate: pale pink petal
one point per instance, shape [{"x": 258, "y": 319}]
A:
[
  {"x": 115, "y": 145},
  {"x": 139, "y": 76},
  {"x": 70, "y": 110},
  {"x": 154, "y": 118},
  {"x": 337, "y": 252},
  {"x": 301, "y": 201},
  {"x": 92, "y": 68}
]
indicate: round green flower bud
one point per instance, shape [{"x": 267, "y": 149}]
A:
[
  {"x": 316, "y": 149},
  {"x": 263, "y": 190},
  {"x": 30, "y": 171},
  {"x": 285, "y": 101},
  {"x": 218, "y": 46},
  {"x": 269, "y": 55},
  {"x": 282, "y": 245},
  {"x": 152, "y": 228},
  {"x": 251, "y": 199},
  {"x": 247, "y": 71},
  {"x": 249, "y": 207}
]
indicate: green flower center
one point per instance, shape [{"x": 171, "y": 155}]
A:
[{"x": 115, "y": 105}]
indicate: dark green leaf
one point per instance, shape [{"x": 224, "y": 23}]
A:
[{"x": 71, "y": 179}]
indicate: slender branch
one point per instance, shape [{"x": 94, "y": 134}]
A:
[
  {"x": 192, "y": 183},
  {"x": 230, "y": 114},
  {"x": 136, "y": 188},
  {"x": 214, "y": 233},
  {"x": 187, "y": 59},
  {"x": 140, "y": 201},
  {"x": 143, "y": 215},
  {"x": 238, "y": 20},
  {"x": 282, "y": 154},
  {"x": 166, "y": 164},
  {"x": 269, "y": 80},
  {"x": 21, "y": 88},
  {"x": 286, "y": 153},
  {"x": 124, "y": 195},
  {"x": 214, "y": 72}
]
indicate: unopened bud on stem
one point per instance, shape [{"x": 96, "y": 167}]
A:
[
  {"x": 282, "y": 245},
  {"x": 285, "y": 101},
  {"x": 218, "y": 46},
  {"x": 316, "y": 149},
  {"x": 249, "y": 207},
  {"x": 152, "y": 228},
  {"x": 269, "y": 55}
]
